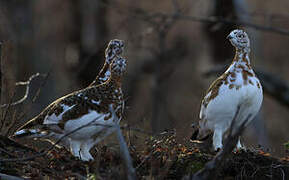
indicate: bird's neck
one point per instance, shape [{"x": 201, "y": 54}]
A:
[
  {"x": 102, "y": 76},
  {"x": 114, "y": 81},
  {"x": 242, "y": 60}
]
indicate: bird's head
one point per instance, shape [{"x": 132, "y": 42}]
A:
[
  {"x": 114, "y": 48},
  {"x": 118, "y": 66},
  {"x": 239, "y": 39}
]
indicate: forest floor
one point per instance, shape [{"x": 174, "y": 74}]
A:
[{"x": 161, "y": 158}]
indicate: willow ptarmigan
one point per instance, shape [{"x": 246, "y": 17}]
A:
[
  {"x": 114, "y": 48},
  {"x": 79, "y": 108},
  {"x": 237, "y": 87}
]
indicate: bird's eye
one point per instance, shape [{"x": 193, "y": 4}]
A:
[{"x": 240, "y": 36}]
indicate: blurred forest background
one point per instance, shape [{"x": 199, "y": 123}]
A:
[{"x": 170, "y": 45}]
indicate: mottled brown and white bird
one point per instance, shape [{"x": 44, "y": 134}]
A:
[
  {"x": 89, "y": 108},
  {"x": 237, "y": 87},
  {"x": 114, "y": 48}
]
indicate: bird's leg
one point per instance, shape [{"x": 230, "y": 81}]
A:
[
  {"x": 239, "y": 145},
  {"x": 84, "y": 152},
  {"x": 217, "y": 139},
  {"x": 86, "y": 146},
  {"x": 75, "y": 148}
]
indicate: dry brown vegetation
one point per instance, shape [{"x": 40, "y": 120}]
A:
[{"x": 162, "y": 157}]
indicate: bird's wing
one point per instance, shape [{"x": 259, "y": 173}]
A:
[
  {"x": 204, "y": 105},
  {"x": 211, "y": 93},
  {"x": 59, "y": 109}
]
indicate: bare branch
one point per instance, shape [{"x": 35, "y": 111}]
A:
[
  {"x": 213, "y": 19},
  {"x": 11, "y": 103},
  {"x": 11, "y": 124},
  {"x": 7, "y": 110},
  {"x": 123, "y": 148},
  {"x": 34, "y": 98},
  {"x": 27, "y": 84},
  {"x": 151, "y": 17}
]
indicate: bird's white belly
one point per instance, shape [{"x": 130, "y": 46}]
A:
[
  {"x": 221, "y": 110},
  {"x": 86, "y": 132}
]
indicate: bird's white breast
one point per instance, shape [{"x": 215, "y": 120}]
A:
[
  {"x": 99, "y": 123},
  {"x": 220, "y": 111}
]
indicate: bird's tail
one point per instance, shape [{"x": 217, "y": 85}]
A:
[
  {"x": 199, "y": 133},
  {"x": 27, "y": 133},
  {"x": 30, "y": 129}
]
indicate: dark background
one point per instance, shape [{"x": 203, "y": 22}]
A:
[{"x": 169, "y": 45}]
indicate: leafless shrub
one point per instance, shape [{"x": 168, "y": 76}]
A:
[{"x": 4, "y": 126}]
